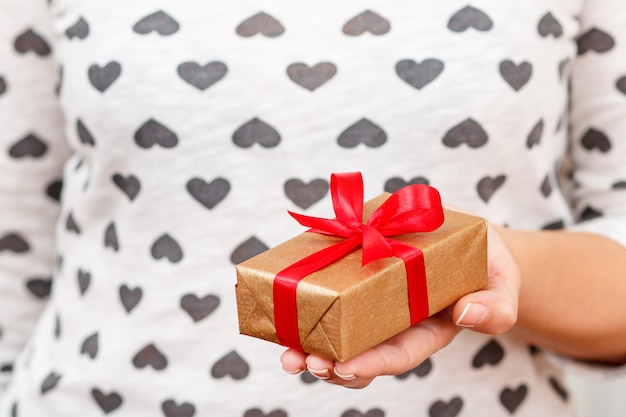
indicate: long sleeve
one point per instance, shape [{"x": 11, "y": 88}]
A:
[
  {"x": 32, "y": 153},
  {"x": 598, "y": 120}
]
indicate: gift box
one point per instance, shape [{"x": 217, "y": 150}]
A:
[{"x": 352, "y": 282}]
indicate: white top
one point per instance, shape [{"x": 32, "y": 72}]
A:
[{"x": 183, "y": 130}]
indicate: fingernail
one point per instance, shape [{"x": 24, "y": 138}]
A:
[
  {"x": 320, "y": 374},
  {"x": 297, "y": 371},
  {"x": 348, "y": 377},
  {"x": 473, "y": 315}
]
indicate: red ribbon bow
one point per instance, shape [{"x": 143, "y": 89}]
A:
[{"x": 416, "y": 208}]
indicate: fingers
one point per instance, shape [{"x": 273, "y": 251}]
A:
[
  {"x": 394, "y": 356},
  {"x": 326, "y": 370},
  {"x": 293, "y": 361}
]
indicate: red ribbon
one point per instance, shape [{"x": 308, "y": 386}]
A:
[{"x": 416, "y": 208}]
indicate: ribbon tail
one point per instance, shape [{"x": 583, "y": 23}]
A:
[{"x": 323, "y": 226}]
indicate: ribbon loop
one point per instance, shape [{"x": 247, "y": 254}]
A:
[
  {"x": 416, "y": 208},
  {"x": 347, "y": 194}
]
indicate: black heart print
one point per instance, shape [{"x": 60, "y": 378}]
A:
[
  {"x": 209, "y": 194},
  {"x": 470, "y": 17},
  {"x": 491, "y": 353},
  {"x": 3, "y": 86},
  {"x": 57, "y": 88},
  {"x": 516, "y": 75},
  {"x": 256, "y": 131},
  {"x": 563, "y": 65},
  {"x": 546, "y": 187},
  {"x": 90, "y": 346},
  {"x": 84, "y": 135},
  {"x": 368, "y": 21},
  {"x": 31, "y": 41},
  {"x": 14, "y": 243},
  {"x": 39, "y": 287},
  {"x": 50, "y": 382},
  {"x": 30, "y": 145},
  {"x": 511, "y": 399},
  {"x": 619, "y": 185},
  {"x": 419, "y": 75},
  {"x": 231, "y": 365},
  {"x": 159, "y": 21},
  {"x": 199, "y": 308},
  {"x": 595, "y": 40},
  {"x": 71, "y": 225},
  {"x": 594, "y": 139},
  {"x": 110, "y": 238},
  {"x": 84, "y": 280},
  {"x": 150, "y": 356},
  {"x": 246, "y": 250},
  {"x": 487, "y": 186},
  {"x": 374, "y": 412},
  {"x": 79, "y": 30},
  {"x": 548, "y": 25},
  {"x": 103, "y": 77},
  {"x": 313, "y": 77},
  {"x": 590, "y": 213},
  {"x": 171, "y": 409},
  {"x": 394, "y": 184},
  {"x": 107, "y": 402},
  {"x": 620, "y": 84},
  {"x": 558, "y": 388},
  {"x": 130, "y": 297},
  {"x": 420, "y": 370},
  {"x": 166, "y": 247},
  {"x": 79, "y": 164},
  {"x": 202, "y": 77},
  {"x": 54, "y": 189},
  {"x": 261, "y": 23},
  {"x": 562, "y": 121},
  {"x": 451, "y": 408},
  {"x": 468, "y": 132},
  {"x": 304, "y": 195},
  {"x": 534, "y": 137},
  {"x": 129, "y": 185},
  {"x": 362, "y": 132},
  {"x": 154, "y": 133},
  {"x": 57, "y": 327},
  {"x": 257, "y": 412},
  {"x": 555, "y": 225},
  {"x": 307, "y": 378}
]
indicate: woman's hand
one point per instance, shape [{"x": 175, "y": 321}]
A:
[{"x": 492, "y": 310}]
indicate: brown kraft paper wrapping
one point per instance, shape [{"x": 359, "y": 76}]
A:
[{"x": 345, "y": 308}]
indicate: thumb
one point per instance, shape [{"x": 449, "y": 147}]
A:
[
  {"x": 486, "y": 311},
  {"x": 492, "y": 310}
]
